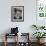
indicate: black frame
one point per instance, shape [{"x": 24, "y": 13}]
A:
[{"x": 12, "y": 7}]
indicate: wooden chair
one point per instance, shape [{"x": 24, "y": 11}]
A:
[
  {"x": 25, "y": 36},
  {"x": 8, "y": 34}
]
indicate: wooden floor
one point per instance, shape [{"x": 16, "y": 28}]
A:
[{"x": 13, "y": 44}]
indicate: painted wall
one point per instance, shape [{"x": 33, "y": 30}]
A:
[{"x": 29, "y": 15}]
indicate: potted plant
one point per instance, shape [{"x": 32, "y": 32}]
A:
[
  {"x": 35, "y": 26},
  {"x": 38, "y": 27},
  {"x": 39, "y": 35}
]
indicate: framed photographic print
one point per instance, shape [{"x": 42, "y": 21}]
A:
[{"x": 17, "y": 13}]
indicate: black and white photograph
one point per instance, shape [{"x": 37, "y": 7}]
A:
[{"x": 17, "y": 13}]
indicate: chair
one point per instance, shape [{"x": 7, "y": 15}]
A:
[
  {"x": 7, "y": 35},
  {"x": 26, "y": 41},
  {"x": 14, "y": 32}
]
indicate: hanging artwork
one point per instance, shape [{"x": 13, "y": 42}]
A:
[
  {"x": 41, "y": 8},
  {"x": 17, "y": 13},
  {"x": 41, "y": 12}
]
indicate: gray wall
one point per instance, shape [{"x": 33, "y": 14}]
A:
[{"x": 29, "y": 15}]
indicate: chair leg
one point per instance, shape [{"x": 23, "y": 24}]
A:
[
  {"x": 5, "y": 39},
  {"x": 5, "y": 43}
]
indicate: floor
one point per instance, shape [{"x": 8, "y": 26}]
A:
[{"x": 13, "y": 44}]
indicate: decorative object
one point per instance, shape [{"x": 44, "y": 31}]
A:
[
  {"x": 34, "y": 26},
  {"x": 41, "y": 12},
  {"x": 14, "y": 30},
  {"x": 39, "y": 35},
  {"x": 17, "y": 13},
  {"x": 41, "y": 8},
  {"x": 42, "y": 27}
]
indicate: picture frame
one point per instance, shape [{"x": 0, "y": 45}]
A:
[{"x": 17, "y": 13}]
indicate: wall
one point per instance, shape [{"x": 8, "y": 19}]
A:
[{"x": 29, "y": 15}]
